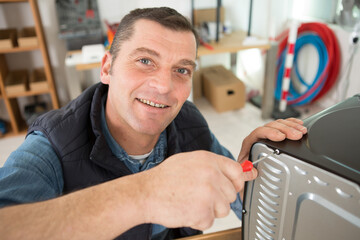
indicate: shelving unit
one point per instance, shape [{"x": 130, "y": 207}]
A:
[{"x": 17, "y": 123}]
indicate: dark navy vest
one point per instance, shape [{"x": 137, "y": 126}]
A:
[{"x": 74, "y": 131}]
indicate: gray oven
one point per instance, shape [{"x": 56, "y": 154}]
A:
[{"x": 310, "y": 188}]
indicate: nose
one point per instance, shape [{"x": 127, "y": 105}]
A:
[{"x": 162, "y": 81}]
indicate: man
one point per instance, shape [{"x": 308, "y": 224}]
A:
[{"x": 92, "y": 169}]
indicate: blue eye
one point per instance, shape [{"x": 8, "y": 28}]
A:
[{"x": 145, "y": 61}]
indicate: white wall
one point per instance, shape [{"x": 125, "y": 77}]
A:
[
  {"x": 114, "y": 10},
  {"x": 347, "y": 85}
]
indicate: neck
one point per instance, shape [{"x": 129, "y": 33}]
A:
[{"x": 133, "y": 142}]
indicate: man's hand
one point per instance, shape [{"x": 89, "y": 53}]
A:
[
  {"x": 192, "y": 189},
  {"x": 276, "y": 131}
]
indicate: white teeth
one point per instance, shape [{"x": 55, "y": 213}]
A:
[{"x": 152, "y": 103}]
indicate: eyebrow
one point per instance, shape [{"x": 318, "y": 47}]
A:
[
  {"x": 186, "y": 62},
  {"x": 145, "y": 50}
]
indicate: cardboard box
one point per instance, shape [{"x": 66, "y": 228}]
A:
[
  {"x": 38, "y": 80},
  {"x": 223, "y": 89},
  {"x": 27, "y": 37},
  {"x": 8, "y": 38},
  {"x": 207, "y": 15},
  {"x": 16, "y": 82}
]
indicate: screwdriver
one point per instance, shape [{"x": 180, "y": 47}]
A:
[{"x": 247, "y": 165}]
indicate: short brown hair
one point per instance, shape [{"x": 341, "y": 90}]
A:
[{"x": 165, "y": 16}]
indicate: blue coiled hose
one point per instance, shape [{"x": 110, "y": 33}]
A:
[{"x": 294, "y": 94}]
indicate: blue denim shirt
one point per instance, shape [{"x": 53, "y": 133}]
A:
[{"x": 33, "y": 172}]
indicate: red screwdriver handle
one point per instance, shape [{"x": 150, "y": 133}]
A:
[{"x": 247, "y": 166}]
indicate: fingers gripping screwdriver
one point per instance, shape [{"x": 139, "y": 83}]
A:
[{"x": 247, "y": 165}]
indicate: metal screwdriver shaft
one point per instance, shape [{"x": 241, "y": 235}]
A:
[{"x": 247, "y": 165}]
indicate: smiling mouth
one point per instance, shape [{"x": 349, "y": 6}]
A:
[{"x": 150, "y": 103}]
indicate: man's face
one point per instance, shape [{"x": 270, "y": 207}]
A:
[{"x": 150, "y": 78}]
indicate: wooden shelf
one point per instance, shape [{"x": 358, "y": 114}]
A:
[
  {"x": 17, "y": 124},
  {"x": 27, "y": 93},
  {"x": 19, "y": 49}
]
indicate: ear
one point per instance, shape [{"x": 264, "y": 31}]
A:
[{"x": 105, "y": 68}]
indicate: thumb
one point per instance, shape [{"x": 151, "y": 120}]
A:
[
  {"x": 247, "y": 176},
  {"x": 250, "y": 175}
]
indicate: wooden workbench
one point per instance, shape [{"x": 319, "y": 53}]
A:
[{"x": 231, "y": 234}]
